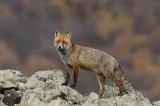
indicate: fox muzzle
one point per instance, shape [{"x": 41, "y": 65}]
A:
[
  {"x": 64, "y": 47},
  {"x": 60, "y": 47}
]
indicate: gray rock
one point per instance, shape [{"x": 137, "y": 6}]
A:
[
  {"x": 8, "y": 86},
  {"x": 46, "y": 79},
  {"x": 16, "y": 105},
  {"x": 92, "y": 96},
  {"x": 69, "y": 95},
  {"x": 11, "y": 97},
  {"x": 58, "y": 102},
  {"x": 44, "y": 88},
  {"x": 1, "y": 96},
  {"x": 9, "y": 78},
  {"x": 39, "y": 95},
  {"x": 156, "y": 103},
  {"x": 2, "y": 104},
  {"x": 22, "y": 86},
  {"x": 132, "y": 99},
  {"x": 110, "y": 92}
]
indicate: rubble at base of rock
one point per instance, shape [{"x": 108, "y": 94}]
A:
[{"x": 44, "y": 89}]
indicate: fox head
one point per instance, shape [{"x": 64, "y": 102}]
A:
[{"x": 62, "y": 41}]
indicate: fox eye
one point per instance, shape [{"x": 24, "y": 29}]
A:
[
  {"x": 57, "y": 41},
  {"x": 64, "y": 42}
]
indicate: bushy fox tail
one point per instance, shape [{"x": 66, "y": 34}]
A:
[{"x": 122, "y": 81}]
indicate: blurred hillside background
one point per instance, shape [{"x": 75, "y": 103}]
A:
[{"x": 127, "y": 29}]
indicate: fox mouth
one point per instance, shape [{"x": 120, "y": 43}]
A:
[{"x": 61, "y": 49}]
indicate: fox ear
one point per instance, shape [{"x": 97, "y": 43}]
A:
[
  {"x": 56, "y": 33},
  {"x": 69, "y": 35}
]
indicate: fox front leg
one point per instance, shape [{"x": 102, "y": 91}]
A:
[
  {"x": 69, "y": 74},
  {"x": 76, "y": 77}
]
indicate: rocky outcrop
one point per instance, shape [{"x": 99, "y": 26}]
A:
[
  {"x": 9, "y": 93},
  {"x": 44, "y": 88},
  {"x": 156, "y": 103}
]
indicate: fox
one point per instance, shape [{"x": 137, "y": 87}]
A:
[{"x": 77, "y": 57}]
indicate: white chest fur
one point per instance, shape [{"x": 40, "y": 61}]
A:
[{"x": 65, "y": 59}]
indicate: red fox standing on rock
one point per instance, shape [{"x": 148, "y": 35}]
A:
[{"x": 76, "y": 57}]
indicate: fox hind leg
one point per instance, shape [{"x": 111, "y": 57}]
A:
[
  {"x": 120, "y": 85},
  {"x": 120, "y": 78},
  {"x": 111, "y": 75},
  {"x": 101, "y": 81},
  {"x": 118, "y": 82}
]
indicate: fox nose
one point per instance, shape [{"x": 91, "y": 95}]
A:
[{"x": 60, "y": 47}]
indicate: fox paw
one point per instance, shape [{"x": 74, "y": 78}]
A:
[{"x": 65, "y": 83}]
